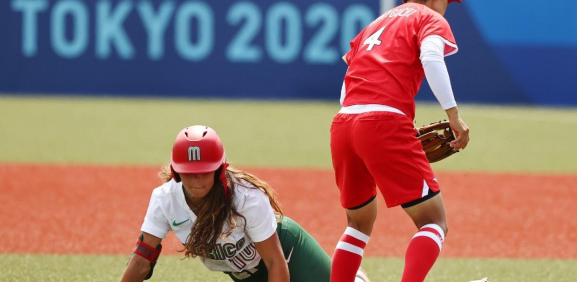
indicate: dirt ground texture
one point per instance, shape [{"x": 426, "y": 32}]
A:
[{"x": 65, "y": 209}]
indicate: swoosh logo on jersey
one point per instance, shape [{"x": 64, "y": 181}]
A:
[
  {"x": 290, "y": 254},
  {"x": 174, "y": 223}
]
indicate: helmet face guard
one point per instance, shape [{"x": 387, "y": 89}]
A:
[{"x": 198, "y": 149}]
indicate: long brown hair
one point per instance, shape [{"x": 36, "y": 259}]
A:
[{"x": 215, "y": 210}]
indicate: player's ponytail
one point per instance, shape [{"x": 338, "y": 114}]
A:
[{"x": 165, "y": 174}]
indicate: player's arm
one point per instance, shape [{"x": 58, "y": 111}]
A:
[
  {"x": 433, "y": 61},
  {"x": 271, "y": 253},
  {"x": 141, "y": 264}
]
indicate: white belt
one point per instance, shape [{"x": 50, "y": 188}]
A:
[{"x": 359, "y": 109}]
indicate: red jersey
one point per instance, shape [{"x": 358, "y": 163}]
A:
[{"x": 384, "y": 64}]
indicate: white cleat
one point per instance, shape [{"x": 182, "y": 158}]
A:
[
  {"x": 362, "y": 276},
  {"x": 481, "y": 280}
]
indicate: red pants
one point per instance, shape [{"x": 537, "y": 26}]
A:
[{"x": 379, "y": 149}]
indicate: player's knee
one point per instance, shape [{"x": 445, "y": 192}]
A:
[
  {"x": 363, "y": 225},
  {"x": 443, "y": 226},
  {"x": 440, "y": 226},
  {"x": 363, "y": 218}
]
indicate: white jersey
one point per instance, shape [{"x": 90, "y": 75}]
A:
[{"x": 168, "y": 211}]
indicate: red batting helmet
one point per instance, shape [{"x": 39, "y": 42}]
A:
[{"x": 198, "y": 149}]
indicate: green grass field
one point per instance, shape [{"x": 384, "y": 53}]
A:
[
  {"x": 257, "y": 133},
  {"x": 97, "y": 268},
  {"x": 271, "y": 134}
]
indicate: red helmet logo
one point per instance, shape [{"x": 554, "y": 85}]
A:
[{"x": 197, "y": 149}]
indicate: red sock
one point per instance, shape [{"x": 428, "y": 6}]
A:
[
  {"x": 348, "y": 255},
  {"x": 422, "y": 253}
]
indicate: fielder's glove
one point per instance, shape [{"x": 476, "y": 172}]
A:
[{"x": 435, "y": 139}]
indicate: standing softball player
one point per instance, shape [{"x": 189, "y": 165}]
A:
[
  {"x": 228, "y": 218},
  {"x": 373, "y": 139}
]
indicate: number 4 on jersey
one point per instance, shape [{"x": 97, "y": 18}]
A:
[{"x": 374, "y": 39}]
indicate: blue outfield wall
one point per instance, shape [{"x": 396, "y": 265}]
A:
[{"x": 511, "y": 52}]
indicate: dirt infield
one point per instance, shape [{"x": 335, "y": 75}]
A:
[{"x": 99, "y": 210}]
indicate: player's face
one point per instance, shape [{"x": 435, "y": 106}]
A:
[
  {"x": 198, "y": 184},
  {"x": 439, "y": 6}
]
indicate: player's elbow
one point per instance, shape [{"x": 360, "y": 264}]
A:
[
  {"x": 142, "y": 266},
  {"x": 137, "y": 269}
]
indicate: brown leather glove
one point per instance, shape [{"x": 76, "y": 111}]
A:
[{"x": 435, "y": 139}]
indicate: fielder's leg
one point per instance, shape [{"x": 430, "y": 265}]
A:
[
  {"x": 350, "y": 249},
  {"x": 425, "y": 247},
  {"x": 357, "y": 190}
]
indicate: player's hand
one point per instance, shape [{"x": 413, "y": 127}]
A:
[{"x": 460, "y": 129}]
